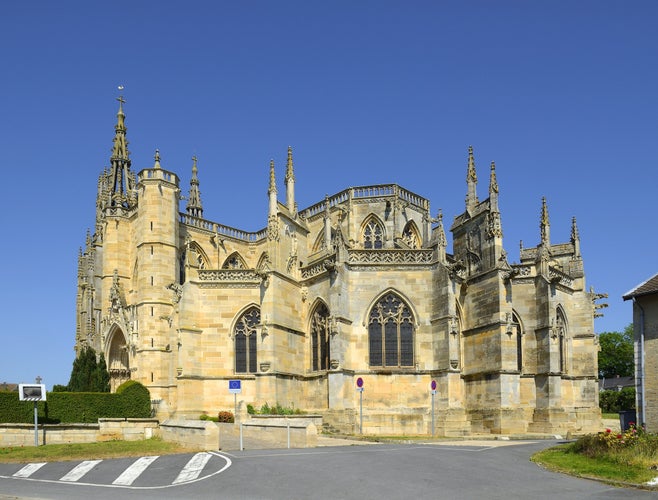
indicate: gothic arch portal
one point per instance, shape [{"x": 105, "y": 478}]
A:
[{"x": 118, "y": 358}]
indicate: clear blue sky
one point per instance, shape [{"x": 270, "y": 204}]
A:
[{"x": 562, "y": 95}]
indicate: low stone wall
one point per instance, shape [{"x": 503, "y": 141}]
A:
[
  {"x": 107, "y": 429},
  {"x": 198, "y": 434},
  {"x": 257, "y": 433},
  {"x": 295, "y": 420},
  {"x": 268, "y": 433}
]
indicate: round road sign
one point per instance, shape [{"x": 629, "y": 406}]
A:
[
  {"x": 433, "y": 385},
  {"x": 359, "y": 382}
]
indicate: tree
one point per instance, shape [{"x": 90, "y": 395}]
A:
[
  {"x": 89, "y": 374},
  {"x": 616, "y": 356}
]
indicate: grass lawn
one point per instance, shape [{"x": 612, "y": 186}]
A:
[
  {"x": 89, "y": 451},
  {"x": 562, "y": 459}
]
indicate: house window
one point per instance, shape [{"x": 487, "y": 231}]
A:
[
  {"x": 246, "y": 337},
  {"x": 373, "y": 235},
  {"x": 391, "y": 333},
  {"x": 320, "y": 338}
]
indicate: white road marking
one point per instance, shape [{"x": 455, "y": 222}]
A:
[
  {"x": 193, "y": 468},
  {"x": 80, "y": 470},
  {"x": 133, "y": 472},
  {"x": 29, "y": 469}
]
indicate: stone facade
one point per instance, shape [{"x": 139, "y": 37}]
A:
[
  {"x": 645, "y": 327},
  {"x": 360, "y": 285}
]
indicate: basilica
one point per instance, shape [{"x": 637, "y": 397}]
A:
[{"x": 353, "y": 308}]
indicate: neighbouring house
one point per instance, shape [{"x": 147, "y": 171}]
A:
[
  {"x": 645, "y": 326},
  {"x": 616, "y": 383}
]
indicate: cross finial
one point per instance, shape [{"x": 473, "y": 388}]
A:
[{"x": 38, "y": 379}]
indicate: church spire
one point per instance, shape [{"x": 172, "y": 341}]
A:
[
  {"x": 290, "y": 183},
  {"x": 544, "y": 224},
  {"x": 575, "y": 237},
  {"x": 122, "y": 179},
  {"x": 194, "y": 206},
  {"x": 156, "y": 159},
  {"x": 272, "y": 190},
  {"x": 471, "y": 182},
  {"x": 493, "y": 187},
  {"x": 494, "y": 227}
]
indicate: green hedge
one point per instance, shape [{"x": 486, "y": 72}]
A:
[
  {"x": 614, "y": 401},
  {"x": 132, "y": 400}
]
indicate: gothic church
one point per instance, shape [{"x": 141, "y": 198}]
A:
[{"x": 359, "y": 286}]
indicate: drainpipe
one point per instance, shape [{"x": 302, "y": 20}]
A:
[{"x": 641, "y": 358}]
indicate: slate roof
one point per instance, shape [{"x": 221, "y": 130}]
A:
[
  {"x": 648, "y": 287},
  {"x": 616, "y": 383}
]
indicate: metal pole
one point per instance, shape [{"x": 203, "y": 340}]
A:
[
  {"x": 361, "y": 412},
  {"x": 432, "y": 413},
  {"x": 288, "y": 423},
  {"x": 241, "y": 444},
  {"x": 235, "y": 402},
  {"x": 36, "y": 430}
]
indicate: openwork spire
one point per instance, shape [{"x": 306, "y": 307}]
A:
[
  {"x": 471, "y": 181},
  {"x": 121, "y": 178},
  {"x": 544, "y": 224},
  {"x": 194, "y": 206}
]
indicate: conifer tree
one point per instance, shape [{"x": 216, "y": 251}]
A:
[{"x": 89, "y": 374}]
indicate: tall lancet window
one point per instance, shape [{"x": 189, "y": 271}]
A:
[
  {"x": 373, "y": 234},
  {"x": 320, "y": 338},
  {"x": 391, "y": 333},
  {"x": 246, "y": 340},
  {"x": 561, "y": 327}
]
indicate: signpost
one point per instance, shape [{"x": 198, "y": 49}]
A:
[
  {"x": 359, "y": 387},
  {"x": 433, "y": 393},
  {"x": 33, "y": 392},
  {"x": 235, "y": 388}
]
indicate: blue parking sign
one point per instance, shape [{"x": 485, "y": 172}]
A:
[{"x": 234, "y": 386}]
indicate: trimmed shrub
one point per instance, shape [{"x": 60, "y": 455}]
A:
[
  {"x": 132, "y": 400},
  {"x": 225, "y": 417}
]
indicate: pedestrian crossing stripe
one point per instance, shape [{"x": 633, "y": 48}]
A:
[
  {"x": 189, "y": 473},
  {"x": 80, "y": 470},
  {"x": 129, "y": 475},
  {"x": 29, "y": 469},
  {"x": 193, "y": 468}
]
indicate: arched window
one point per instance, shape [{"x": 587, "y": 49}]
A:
[
  {"x": 320, "y": 338},
  {"x": 561, "y": 326},
  {"x": 373, "y": 234},
  {"x": 391, "y": 333},
  {"x": 516, "y": 330},
  {"x": 410, "y": 235},
  {"x": 234, "y": 261},
  {"x": 246, "y": 339}
]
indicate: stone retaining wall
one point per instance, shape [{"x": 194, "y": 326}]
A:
[{"x": 107, "y": 429}]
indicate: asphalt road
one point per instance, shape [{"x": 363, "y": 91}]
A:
[{"x": 485, "y": 470}]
